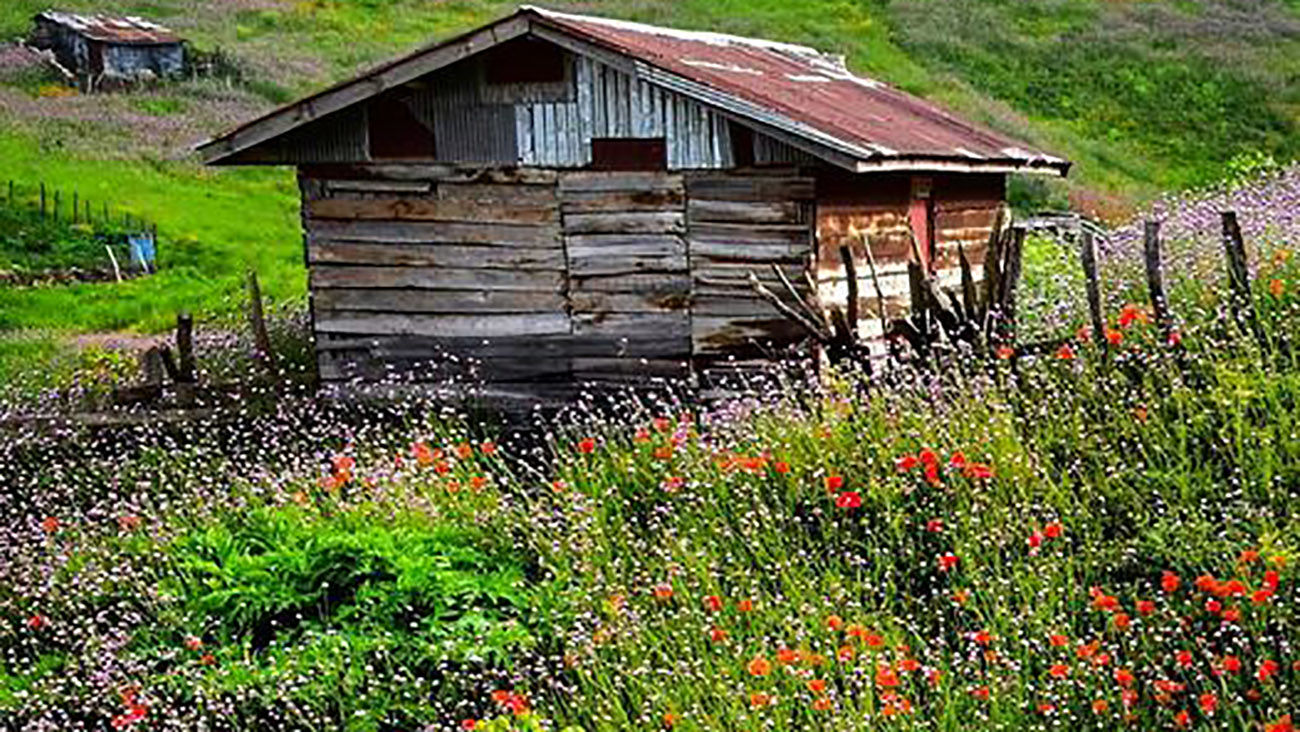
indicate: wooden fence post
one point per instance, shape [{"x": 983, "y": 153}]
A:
[
  {"x": 1088, "y": 257},
  {"x": 42, "y": 200},
  {"x": 1242, "y": 302},
  {"x": 1010, "y": 279},
  {"x": 257, "y": 320},
  {"x": 56, "y": 206},
  {"x": 76, "y": 206},
  {"x": 1156, "y": 279},
  {"x": 185, "y": 348}
]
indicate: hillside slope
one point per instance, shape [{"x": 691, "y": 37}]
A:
[{"x": 1144, "y": 96}]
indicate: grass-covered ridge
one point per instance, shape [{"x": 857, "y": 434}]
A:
[{"x": 1143, "y": 96}]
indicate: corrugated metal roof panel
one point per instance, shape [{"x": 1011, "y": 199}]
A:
[
  {"x": 128, "y": 30},
  {"x": 807, "y": 87}
]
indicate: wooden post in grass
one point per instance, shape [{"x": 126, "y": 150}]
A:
[
  {"x": 1242, "y": 303},
  {"x": 1156, "y": 279},
  {"x": 185, "y": 347},
  {"x": 1088, "y": 257},
  {"x": 42, "y": 200},
  {"x": 56, "y": 206},
  {"x": 257, "y": 319},
  {"x": 11, "y": 193},
  {"x": 76, "y": 206}
]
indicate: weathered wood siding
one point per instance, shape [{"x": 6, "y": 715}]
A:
[
  {"x": 738, "y": 223},
  {"x": 426, "y": 269},
  {"x": 628, "y": 272},
  {"x": 965, "y": 208}
]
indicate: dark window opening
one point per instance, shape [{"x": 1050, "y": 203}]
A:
[
  {"x": 524, "y": 61},
  {"x": 629, "y": 153},
  {"x": 742, "y": 145},
  {"x": 396, "y": 133}
]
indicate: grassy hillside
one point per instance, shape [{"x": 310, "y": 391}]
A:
[{"x": 1143, "y": 96}]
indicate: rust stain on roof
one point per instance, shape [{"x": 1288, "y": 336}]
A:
[
  {"x": 128, "y": 30},
  {"x": 805, "y": 86}
]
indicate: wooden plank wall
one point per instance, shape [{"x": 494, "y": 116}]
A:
[
  {"x": 629, "y": 285},
  {"x": 417, "y": 267},
  {"x": 965, "y": 210},
  {"x": 743, "y": 222}
]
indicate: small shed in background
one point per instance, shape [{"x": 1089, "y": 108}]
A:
[{"x": 99, "y": 51}]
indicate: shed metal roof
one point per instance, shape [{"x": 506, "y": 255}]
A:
[
  {"x": 128, "y": 30},
  {"x": 804, "y": 96}
]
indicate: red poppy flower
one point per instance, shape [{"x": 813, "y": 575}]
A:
[
  {"x": 1169, "y": 581},
  {"x": 745, "y": 605},
  {"x": 758, "y": 699},
  {"x": 1131, "y": 314},
  {"x": 1124, "y": 677},
  {"x": 1184, "y": 658},
  {"x": 1268, "y": 668},
  {"x": 980, "y": 692},
  {"x": 958, "y": 460},
  {"x": 1122, "y": 621},
  {"x": 663, "y": 591},
  {"x": 834, "y": 622},
  {"x": 1065, "y": 352},
  {"x": 816, "y": 686},
  {"x": 36, "y": 622},
  {"x": 886, "y": 678},
  {"x": 1283, "y": 724},
  {"x": 1059, "y": 640},
  {"x": 1183, "y": 719},
  {"x": 1209, "y": 702},
  {"x": 1004, "y": 353},
  {"x": 1114, "y": 337},
  {"x": 909, "y": 665},
  {"x": 947, "y": 561},
  {"x": 586, "y": 445},
  {"x": 781, "y": 467},
  {"x": 906, "y": 463},
  {"x": 717, "y": 635},
  {"x": 787, "y": 656},
  {"x": 1271, "y": 579},
  {"x": 978, "y": 470},
  {"x": 928, "y": 456},
  {"x": 468, "y": 724},
  {"x": 1145, "y": 607},
  {"x": 821, "y": 704},
  {"x": 759, "y": 666},
  {"x": 1100, "y": 706},
  {"x": 1053, "y": 530},
  {"x": 1059, "y": 670},
  {"x": 834, "y": 483},
  {"x": 50, "y": 524},
  {"x": 1231, "y": 664},
  {"x": 848, "y": 499}
]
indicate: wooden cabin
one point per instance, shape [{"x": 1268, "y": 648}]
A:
[
  {"x": 100, "y": 50},
  {"x": 562, "y": 199}
]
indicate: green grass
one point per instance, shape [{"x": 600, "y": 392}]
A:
[
  {"x": 1145, "y": 97},
  {"x": 213, "y": 225}
]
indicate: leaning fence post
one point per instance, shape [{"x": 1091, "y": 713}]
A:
[
  {"x": 1156, "y": 279},
  {"x": 257, "y": 320},
  {"x": 1088, "y": 257},
  {"x": 1243, "y": 304}
]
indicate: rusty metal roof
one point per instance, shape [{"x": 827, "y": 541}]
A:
[
  {"x": 864, "y": 117},
  {"x": 807, "y": 97},
  {"x": 128, "y": 30}
]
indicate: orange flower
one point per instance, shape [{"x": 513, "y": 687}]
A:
[
  {"x": 960, "y": 596},
  {"x": 787, "y": 656},
  {"x": 712, "y": 603},
  {"x": 489, "y": 448},
  {"x": 1261, "y": 596},
  {"x": 1276, "y": 287},
  {"x": 1053, "y": 530},
  {"x": 464, "y": 451},
  {"x": 834, "y": 622},
  {"x": 1059, "y": 640},
  {"x": 745, "y": 605},
  {"x": 834, "y": 483},
  {"x": 885, "y": 677},
  {"x": 1124, "y": 677},
  {"x": 1114, "y": 337},
  {"x": 670, "y": 720},
  {"x": 718, "y": 635},
  {"x": 980, "y": 692},
  {"x": 845, "y": 653},
  {"x": 1209, "y": 702},
  {"x": 1183, "y": 719},
  {"x": 909, "y": 665},
  {"x": 947, "y": 561},
  {"x": 759, "y": 699},
  {"x": 663, "y": 592},
  {"x": 781, "y": 467},
  {"x": 821, "y": 704},
  {"x": 1122, "y": 621},
  {"x": 759, "y": 666},
  {"x": 1145, "y": 607},
  {"x": 1065, "y": 352},
  {"x": 1100, "y": 706},
  {"x": 817, "y": 686},
  {"x": 1283, "y": 724},
  {"x": 50, "y": 524},
  {"x": 1004, "y": 353},
  {"x": 586, "y": 446},
  {"x": 1059, "y": 670},
  {"x": 1131, "y": 314},
  {"x": 1169, "y": 581},
  {"x": 663, "y": 452}
]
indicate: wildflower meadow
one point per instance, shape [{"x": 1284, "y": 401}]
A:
[{"x": 1088, "y": 538}]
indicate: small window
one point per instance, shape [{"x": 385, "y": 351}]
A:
[
  {"x": 742, "y": 145},
  {"x": 525, "y": 61},
  {"x": 396, "y": 133},
  {"x": 608, "y": 153}
]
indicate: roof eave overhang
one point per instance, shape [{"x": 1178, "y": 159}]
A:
[{"x": 1054, "y": 167}]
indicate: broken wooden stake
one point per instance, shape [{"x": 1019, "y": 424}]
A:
[{"x": 185, "y": 348}]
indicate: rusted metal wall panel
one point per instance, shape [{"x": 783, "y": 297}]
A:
[{"x": 877, "y": 205}]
